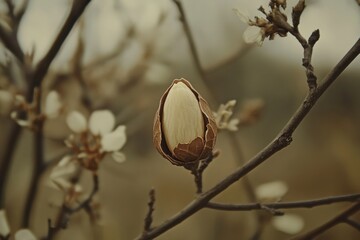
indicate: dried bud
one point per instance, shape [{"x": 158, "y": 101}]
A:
[{"x": 184, "y": 127}]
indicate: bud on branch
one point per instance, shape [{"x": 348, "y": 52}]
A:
[{"x": 184, "y": 127}]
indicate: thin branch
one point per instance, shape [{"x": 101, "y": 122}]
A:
[
  {"x": 283, "y": 139},
  {"x": 77, "y": 9},
  {"x": 38, "y": 168},
  {"x": 10, "y": 42},
  {"x": 148, "y": 219},
  {"x": 190, "y": 38},
  {"x": 285, "y": 205},
  {"x": 8, "y": 150},
  {"x": 353, "y": 223},
  {"x": 340, "y": 218},
  {"x": 199, "y": 169}
]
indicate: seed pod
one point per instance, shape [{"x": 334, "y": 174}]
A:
[{"x": 184, "y": 127}]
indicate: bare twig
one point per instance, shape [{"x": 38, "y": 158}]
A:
[
  {"x": 10, "y": 42},
  {"x": 340, "y": 218},
  {"x": 77, "y": 9},
  {"x": 285, "y": 205},
  {"x": 198, "y": 171},
  {"x": 35, "y": 78},
  {"x": 148, "y": 219},
  {"x": 190, "y": 39},
  {"x": 9, "y": 149},
  {"x": 353, "y": 223},
  {"x": 283, "y": 139}
]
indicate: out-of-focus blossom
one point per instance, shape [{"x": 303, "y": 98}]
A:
[
  {"x": 4, "y": 225},
  {"x": 288, "y": 223},
  {"x": 62, "y": 173},
  {"x": 271, "y": 191},
  {"x": 53, "y": 105},
  {"x": 252, "y": 34},
  {"x": 6, "y": 102},
  {"x": 251, "y": 111},
  {"x": 223, "y": 116},
  {"x": 92, "y": 140},
  {"x": 26, "y": 113},
  {"x": 24, "y": 234},
  {"x": 76, "y": 122}
]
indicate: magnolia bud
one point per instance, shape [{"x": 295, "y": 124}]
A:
[{"x": 184, "y": 127}]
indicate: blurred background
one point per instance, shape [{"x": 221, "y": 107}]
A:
[{"x": 128, "y": 53}]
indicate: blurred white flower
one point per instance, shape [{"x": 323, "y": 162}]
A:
[
  {"x": 96, "y": 139},
  {"x": 252, "y": 34},
  {"x": 24, "y": 234},
  {"x": 4, "y": 225},
  {"x": 29, "y": 113},
  {"x": 76, "y": 122},
  {"x": 6, "y": 101},
  {"x": 115, "y": 140},
  {"x": 53, "y": 105},
  {"x": 271, "y": 191},
  {"x": 223, "y": 116},
  {"x": 101, "y": 122},
  {"x": 289, "y": 223}
]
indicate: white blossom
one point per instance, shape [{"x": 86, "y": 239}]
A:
[
  {"x": 100, "y": 138},
  {"x": 252, "y": 34},
  {"x": 289, "y": 223}
]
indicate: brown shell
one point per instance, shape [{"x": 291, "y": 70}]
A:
[{"x": 196, "y": 150}]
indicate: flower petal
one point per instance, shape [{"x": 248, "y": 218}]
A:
[
  {"x": 118, "y": 157},
  {"x": 101, "y": 122},
  {"x": 289, "y": 223},
  {"x": 24, "y": 234},
  {"x": 4, "y": 225},
  {"x": 253, "y": 34},
  {"x": 76, "y": 122},
  {"x": 115, "y": 140},
  {"x": 53, "y": 105}
]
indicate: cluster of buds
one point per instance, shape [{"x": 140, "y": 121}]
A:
[
  {"x": 274, "y": 23},
  {"x": 184, "y": 128},
  {"x": 223, "y": 116},
  {"x": 91, "y": 141},
  {"x": 26, "y": 114}
]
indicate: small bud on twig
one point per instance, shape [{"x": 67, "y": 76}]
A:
[{"x": 314, "y": 37}]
